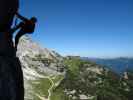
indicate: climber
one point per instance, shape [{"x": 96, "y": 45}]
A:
[{"x": 26, "y": 26}]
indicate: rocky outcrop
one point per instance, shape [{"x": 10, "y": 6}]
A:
[{"x": 37, "y": 62}]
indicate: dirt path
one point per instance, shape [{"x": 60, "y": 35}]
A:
[{"x": 49, "y": 90}]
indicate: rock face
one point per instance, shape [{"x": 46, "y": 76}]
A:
[
  {"x": 37, "y": 63},
  {"x": 11, "y": 84},
  {"x": 8, "y": 8}
]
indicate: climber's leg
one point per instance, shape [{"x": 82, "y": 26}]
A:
[
  {"x": 20, "y": 80},
  {"x": 18, "y": 36}
]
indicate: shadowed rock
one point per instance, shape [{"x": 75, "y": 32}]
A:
[
  {"x": 11, "y": 77},
  {"x": 7, "y": 10}
]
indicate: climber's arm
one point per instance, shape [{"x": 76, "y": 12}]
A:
[
  {"x": 21, "y": 17},
  {"x": 16, "y": 27}
]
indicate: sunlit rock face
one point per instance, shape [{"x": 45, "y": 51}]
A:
[{"x": 37, "y": 63}]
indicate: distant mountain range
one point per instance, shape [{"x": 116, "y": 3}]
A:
[{"x": 117, "y": 64}]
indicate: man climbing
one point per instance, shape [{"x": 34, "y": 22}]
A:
[{"x": 26, "y": 26}]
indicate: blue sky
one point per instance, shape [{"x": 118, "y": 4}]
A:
[{"x": 93, "y": 28}]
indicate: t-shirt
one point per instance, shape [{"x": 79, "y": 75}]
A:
[{"x": 28, "y": 26}]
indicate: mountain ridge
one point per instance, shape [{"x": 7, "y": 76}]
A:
[{"x": 119, "y": 64}]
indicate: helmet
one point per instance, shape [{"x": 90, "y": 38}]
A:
[{"x": 33, "y": 19}]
